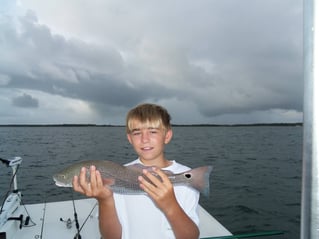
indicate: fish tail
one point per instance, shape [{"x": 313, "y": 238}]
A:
[{"x": 200, "y": 178}]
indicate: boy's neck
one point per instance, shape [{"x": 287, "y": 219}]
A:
[{"x": 164, "y": 163}]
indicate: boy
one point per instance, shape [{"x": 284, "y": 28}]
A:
[{"x": 164, "y": 211}]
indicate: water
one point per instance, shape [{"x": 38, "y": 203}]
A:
[{"x": 256, "y": 181}]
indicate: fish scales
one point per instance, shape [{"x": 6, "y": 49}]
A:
[{"x": 125, "y": 179}]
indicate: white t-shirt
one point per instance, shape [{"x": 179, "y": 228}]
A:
[{"x": 140, "y": 218}]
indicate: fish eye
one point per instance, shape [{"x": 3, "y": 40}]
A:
[{"x": 188, "y": 175}]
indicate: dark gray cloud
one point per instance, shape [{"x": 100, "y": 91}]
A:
[
  {"x": 223, "y": 58},
  {"x": 25, "y": 101}
]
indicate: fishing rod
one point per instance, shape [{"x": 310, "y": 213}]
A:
[{"x": 77, "y": 225}]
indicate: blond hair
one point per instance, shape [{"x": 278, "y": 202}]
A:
[{"x": 151, "y": 115}]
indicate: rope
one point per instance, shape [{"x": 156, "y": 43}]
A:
[
  {"x": 88, "y": 216},
  {"x": 25, "y": 208}
]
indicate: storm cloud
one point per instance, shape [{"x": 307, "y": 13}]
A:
[
  {"x": 206, "y": 61},
  {"x": 25, "y": 101}
]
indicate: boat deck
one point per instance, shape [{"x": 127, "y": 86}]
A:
[{"x": 46, "y": 221}]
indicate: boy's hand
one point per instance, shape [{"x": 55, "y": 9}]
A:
[
  {"x": 95, "y": 188},
  {"x": 160, "y": 190}
]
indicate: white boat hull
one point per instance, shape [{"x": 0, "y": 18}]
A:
[{"x": 45, "y": 221}]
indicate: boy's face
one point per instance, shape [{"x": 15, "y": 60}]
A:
[{"x": 149, "y": 141}]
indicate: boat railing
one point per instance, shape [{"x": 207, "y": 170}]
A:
[{"x": 248, "y": 235}]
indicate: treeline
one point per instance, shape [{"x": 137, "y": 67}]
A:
[
  {"x": 174, "y": 125},
  {"x": 238, "y": 125}
]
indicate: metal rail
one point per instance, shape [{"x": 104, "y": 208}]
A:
[
  {"x": 249, "y": 235},
  {"x": 310, "y": 173}
]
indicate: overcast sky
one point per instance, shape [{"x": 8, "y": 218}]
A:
[{"x": 206, "y": 61}]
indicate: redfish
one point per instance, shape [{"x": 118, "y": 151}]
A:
[{"x": 124, "y": 179}]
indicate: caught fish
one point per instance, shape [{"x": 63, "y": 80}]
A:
[{"x": 124, "y": 179}]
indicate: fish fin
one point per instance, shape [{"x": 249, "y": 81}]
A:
[
  {"x": 139, "y": 167},
  {"x": 200, "y": 178},
  {"x": 108, "y": 181}
]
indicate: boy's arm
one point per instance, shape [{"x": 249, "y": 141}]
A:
[
  {"x": 109, "y": 223},
  {"x": 162, "y": 193}
]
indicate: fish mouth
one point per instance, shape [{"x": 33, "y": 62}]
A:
[{"x": 61, "y": 184}]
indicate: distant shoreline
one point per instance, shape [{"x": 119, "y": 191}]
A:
[{"x": 174, "y": 125}]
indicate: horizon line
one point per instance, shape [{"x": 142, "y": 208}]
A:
[{"x": 174, "y": 125}]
